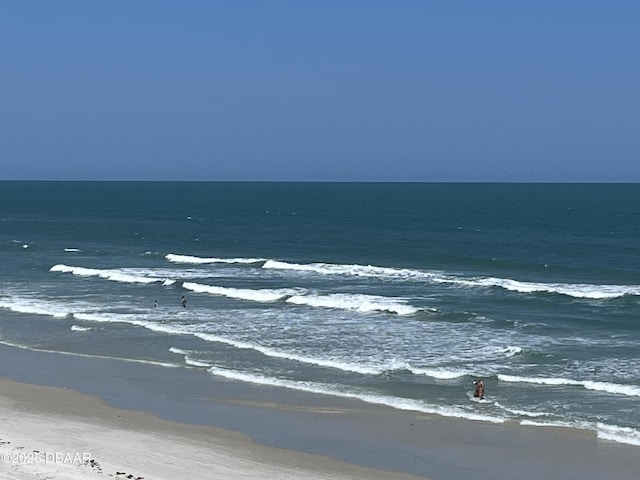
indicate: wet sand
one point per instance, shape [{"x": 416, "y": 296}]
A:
[
  {"x": 72, "y": 417},
  {"x": 56, "y": 433}
]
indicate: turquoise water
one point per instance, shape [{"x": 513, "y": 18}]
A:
[{"x": 398, "y": 294}]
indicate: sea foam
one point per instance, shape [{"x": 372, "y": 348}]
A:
[
  {"x": 618, "y": 434},
  {"x": 345, "y": 392},
  {"x": 254, "y": 295},
  {"x": 35, "y": 307},
  {"x": 116, "y": 275},
  {"x": 172, "y": 257},
  {"x": 606, "y": 387},
  {"x": 357, "y": 302},
  {"x": 577, "y": 290}
]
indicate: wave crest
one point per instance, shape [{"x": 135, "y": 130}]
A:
[
  {"x": 255, "y": 295},
  {"x": 357, "y": 302},
  {"x": 175, "y": 258},
  {"x": 607, "y": 387}
]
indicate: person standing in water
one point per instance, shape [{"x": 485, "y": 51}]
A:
[
  {"x": 479, "y": 391},
  {"x": 184, "y": 301}
]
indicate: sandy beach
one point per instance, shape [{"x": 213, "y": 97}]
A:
[
  {"x": 81, "y": 417},
  {"x": 53, "y": 433}
]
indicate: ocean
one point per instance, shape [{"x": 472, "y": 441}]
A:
[{"x": 398, "y": 294}]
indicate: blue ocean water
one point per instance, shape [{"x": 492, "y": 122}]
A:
[{"x": 396, "y": 294}]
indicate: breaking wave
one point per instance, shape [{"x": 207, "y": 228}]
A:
[
  {"x": 116, "y": 275},
  {"x": 357, "y": 302},
  {"x": 577, "y": 290},
  {"x": 607, "y": 387},
  {"x": 254, "y": 295},
  {"x": 172, "y": 257}
]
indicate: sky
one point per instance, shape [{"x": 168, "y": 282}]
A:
[{"x": 322, "y": 90}]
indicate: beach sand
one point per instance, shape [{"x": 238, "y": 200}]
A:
[
  {"x": 55, "y": 433},
  {"x": 71, "y": 417}
]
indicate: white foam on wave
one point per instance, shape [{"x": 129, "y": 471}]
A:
[
  {"x": 509, "y": 351},
  {"x": 439, "y": 373},
  {"x": 63, "y": 308},
  {"x": 364, "y": 369},
  {"x": 607, "y": 387},
  {"x": 344, "y": 392},
  {"x": 116, "y": 275},
  {"x": 254, "y": 295},
  {"x": 179, "y": 351},
  {"x": 86, "y": 355},
  {"x": 613, "y": 433},
  {"x": 335, "y": 363},
  {"x": 175, "y": 258},
  {"x": 353, "y": 270},
  {"x": 298, "y": 296},
  {"x": 521, "y": 413},
  {"x": 177, "y": 329},
  {"x": 615, "y": 388},
  {"x": 35, "y": 307},
  {"x": 188, "y": 359},
  {"x": 577, "y": 290},
  {"x": 78, "y": 328},
  {"x": 557, "y": 424},
  {"x": 358, "y": 302},
  {"x": 275, "y": 353},
  {"x": 618, "y": 434},
  {"x": 131, "y": 274},
  {"x": 72, "y": 250},
  {"x": 133, "y": 319}
]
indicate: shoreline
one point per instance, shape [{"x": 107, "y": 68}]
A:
[
  {"x": 64, "y": 434},
  {"x": 265, "y": 428}
]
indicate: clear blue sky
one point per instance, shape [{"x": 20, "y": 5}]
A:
[{"x": 320, "y": 90}]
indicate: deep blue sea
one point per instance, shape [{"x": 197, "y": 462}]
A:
[{"x": 396, "y": 294}]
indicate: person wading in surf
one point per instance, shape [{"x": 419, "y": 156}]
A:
[{"x": 479, "y": 391}]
